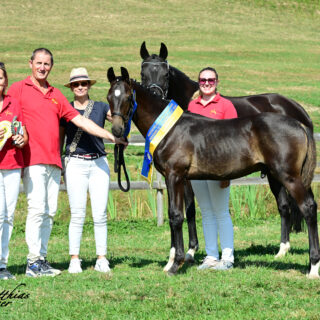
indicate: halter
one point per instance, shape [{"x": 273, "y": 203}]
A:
[
  {"x": 163, "y": 92},
  {"x": 118, "y": 150}
]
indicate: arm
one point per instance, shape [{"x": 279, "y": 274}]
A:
[
  {"x": 90, "y": 127},
  {"x": 109, "y": 116},
  {"x": 62, "y": 134}
]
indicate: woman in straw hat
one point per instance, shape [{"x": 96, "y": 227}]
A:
[{"x": 87, "y": 169}]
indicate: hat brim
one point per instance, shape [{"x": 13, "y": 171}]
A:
[{"x": 92, "y": 82}]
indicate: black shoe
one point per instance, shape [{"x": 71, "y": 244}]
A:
[
  {"x": 33, "y": 269},
  {"x": 48, "y": 270},
  {"x": 5, "y": 274}
]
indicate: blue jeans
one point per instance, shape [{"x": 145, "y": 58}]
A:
[{"x": 214, "y": 204}]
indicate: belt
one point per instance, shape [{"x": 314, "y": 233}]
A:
[{"x": 87, "y": 156}]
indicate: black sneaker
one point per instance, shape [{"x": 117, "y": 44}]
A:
[
  {"x": 5, "y": 274},
  {"x": 46, "y": 269},
  {"x": 33, "y": 269}
]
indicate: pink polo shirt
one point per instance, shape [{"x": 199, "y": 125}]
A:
[
  {"x": 42, "y": 114},
  {"x": 219, "y": 108},
  {"x": 11, "y": 156}
]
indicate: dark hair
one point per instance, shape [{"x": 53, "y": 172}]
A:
[
  {"x": 3, "y": 68},
  {"x": 45, "y": 50},
  {"x": 210, "y": 69}
]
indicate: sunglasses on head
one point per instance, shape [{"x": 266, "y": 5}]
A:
[
  {"x": 211, "y": 81},
  {"x": 77, "y": 84}
]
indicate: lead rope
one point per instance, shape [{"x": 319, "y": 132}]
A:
[
  {"x": 118, "y": 151},
  {"x": 118, "y": 163}
]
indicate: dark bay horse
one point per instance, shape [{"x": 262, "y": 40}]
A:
[
  {"x": 170, "y": 83},
  {"x": 268, "y": 142}
]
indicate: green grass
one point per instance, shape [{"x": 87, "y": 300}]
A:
[
  {"x": 259, "y": 287},
  {"x": 256, "y": 46}
]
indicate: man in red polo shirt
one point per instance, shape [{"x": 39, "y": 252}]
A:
[{"x": 43, "y": 106}]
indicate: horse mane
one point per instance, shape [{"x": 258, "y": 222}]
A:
[
  {"x": 179, "y": 74},
  {"x": 153, "y": 98}
]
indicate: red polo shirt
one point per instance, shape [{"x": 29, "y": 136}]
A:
[
  {"x": 42, "y": 113},
  {"x": 11, "y": 156},
  {"x": 218, "y": 108}
]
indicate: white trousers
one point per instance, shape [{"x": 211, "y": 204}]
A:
[
  {"x": 41, "y": 184},
  {"x": 81, "y": 176},
  {"x": 214, "y": 204},
  {"x": 9, "y": 192}
]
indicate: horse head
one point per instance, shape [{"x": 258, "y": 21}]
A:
[
  {"x": 155, "y": 70},
  {"x": 120, "y": 100}
]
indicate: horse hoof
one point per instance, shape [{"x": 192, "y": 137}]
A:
[
  {"x": 189, "y": 258},
  {"x": 313, "y": 276},
  {"x": 284, "y": 248},
  {"x": 280, "y": 255}
]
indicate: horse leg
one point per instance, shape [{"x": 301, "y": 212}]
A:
[
  {"x": 308, "y": 208},
  {"x": 175, "y": 198},
  {"x": 172, "y": 250},
  {"x": 191, "y": 219},
  {"x": 281, "y": 196}
]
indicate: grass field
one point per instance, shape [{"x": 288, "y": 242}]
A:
[{"x": 257, "y": 46}]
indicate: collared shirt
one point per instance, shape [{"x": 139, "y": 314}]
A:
[
  {"x": 11, "y": 156},
  {"x": 218, "y": 108},
  {"x": 42, "y": 114}
]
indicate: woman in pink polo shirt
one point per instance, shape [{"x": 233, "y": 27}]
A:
[
  {"x": 213, "y": 196},
  {"x": 11, "y": 162}
]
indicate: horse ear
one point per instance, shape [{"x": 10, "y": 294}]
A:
[
  {"x": 163, "y": 51},
  {"x": 125, "y": 74},
  {"x": 144, "y": 54},
  {"x": 110, "y": 75}
]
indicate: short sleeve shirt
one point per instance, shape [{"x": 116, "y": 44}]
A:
[
  {"x": 42, "y": 114},
  {"x": 88, "y": 143},
  {"x": 10, "y": 156},
  {"x": 218, "y": 108}
]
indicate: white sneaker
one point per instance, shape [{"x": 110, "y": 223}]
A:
[
  {"x": 75, "y": 266},
  {"x": 102, "y": 265},
  {"x": 208, "y": 263}
]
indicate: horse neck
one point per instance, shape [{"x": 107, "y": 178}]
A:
[
  {"x": 181, "y": 87},
  {"x": 148, "y": 109}
]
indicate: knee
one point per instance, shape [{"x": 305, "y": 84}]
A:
[
  {"x": 283, "y": 209},
  {"x": 77, "y": 217},
  {"x": 99, "y": 220},
  {"x": 310, "y": 209},
  {"x": 176, "y": 220}
]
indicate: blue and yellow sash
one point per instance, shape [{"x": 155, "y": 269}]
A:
[{"x": 168, "y": 117}]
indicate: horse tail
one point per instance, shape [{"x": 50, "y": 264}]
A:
[
  {"x": 310, "y": 161},
  {"x": 307, "y": 172}
]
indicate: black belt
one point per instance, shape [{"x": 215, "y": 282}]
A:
[{"x": 87, "y": 156}]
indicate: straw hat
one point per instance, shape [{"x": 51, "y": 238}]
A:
[{"x": 79, "y": 74}]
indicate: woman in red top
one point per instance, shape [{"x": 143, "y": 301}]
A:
[
  {"x": 11, "y": 162},
  {"x": 213, "y": 196}
]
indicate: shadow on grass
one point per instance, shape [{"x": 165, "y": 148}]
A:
[{"x": 241, "y": 261}]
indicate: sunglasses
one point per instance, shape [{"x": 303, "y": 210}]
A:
[
  {"x": 211, "y": 81},
  {"x": 77, "y": 84}
]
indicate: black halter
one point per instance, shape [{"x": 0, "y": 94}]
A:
[
  {"x": 164, "y": 92},
  {"x": 119, "y": 151}
]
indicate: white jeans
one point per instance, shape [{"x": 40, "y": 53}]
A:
[
  {"x": 214, "y": 204},
  {"x": 41, "y": 184},
  {"x": 81, "y": 176},
  {"x": 9, "y": 192}
]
